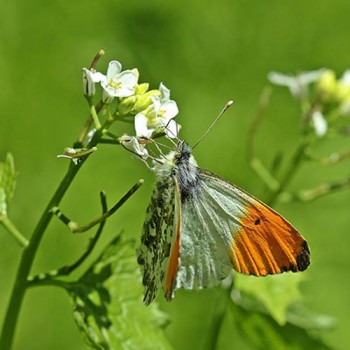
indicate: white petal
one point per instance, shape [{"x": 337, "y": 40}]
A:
[
  {"x": 128, "y": 77},
  {"x": 345, "y": 79},
  {"x": 123, "y": 91},
  {"x": 171, "y": 109},
  {"x": 172, "y": 129},
  {"x": 106, "y": 97},
  {"x": 164, "y": 92},
  {"x": 141, "y": 126},
  {"x": 97, "y": 77},
  {"x": 114, "y": 68},
  {"x": 280, "y": 79},
  {"x": 320, "y": 123},
  {"x": 132, "y": 144},
  {"x": 88, "y": 84},
  {"x": 156, "y": 103},
  {"x": 309, "y": 77},
  {"x": 295, "y": 87}
]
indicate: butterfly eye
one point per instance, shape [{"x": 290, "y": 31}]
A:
[{"x": 257, "y": 221}]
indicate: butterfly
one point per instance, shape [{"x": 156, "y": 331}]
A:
[{"x": 199, "y": 226}]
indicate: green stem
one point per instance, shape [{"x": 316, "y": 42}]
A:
[
  {"x": 75, "y": 228},
  {"x": 95, "y": 116},
  {"x": 294, "y": 164},
  {"x": 87, "y": 127},
  {"x": 11, "y": 228},
  {"x": 28, "y": 254},
  {"x": 39, "y": 280},
  {"x": 27, "y": 259},
  {"x": 52, "y": 282}
]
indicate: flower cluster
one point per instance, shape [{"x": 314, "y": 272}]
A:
[
  {"x": 152, "y": 110},
  {"x": 323, "y": 97}
]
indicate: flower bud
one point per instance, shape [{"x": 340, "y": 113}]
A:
[
  {"x": 145, "y": 100},
  {"x": 88, "y": 83},
  {"x": 126, "y": 105},
  {"x": 327, "y": 84},
  {"x": 343, "y": 93},
  {"x": 141, "y": 89}
]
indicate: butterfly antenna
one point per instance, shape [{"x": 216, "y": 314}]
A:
[
  {"x": 227, "y": 106},
  {"x": 174, "y": 135},
  {"x": 158, "y": 148}
]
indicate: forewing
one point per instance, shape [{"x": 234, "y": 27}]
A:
[
  {"x": 261, "y": 242},
  {"x": 157, "y": 236}
]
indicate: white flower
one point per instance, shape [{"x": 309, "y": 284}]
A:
[
  {"x": 117, "y": 83},
  {"x": 159, "y": 116},
  {"x": 319, "y": 123},
  {"x": 89, "y": 80},
  {"x": 297, "y": 84},
  {"x": 345, "y": 79},
  {"x": 164, "y": 92},
  {"x": 141, "y": 126},
  {"x": 132, "y": 144}
]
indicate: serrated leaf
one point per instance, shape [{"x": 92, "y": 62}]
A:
[
  {"x": 7, "y": 183},
  {"x": 277, "y": 292},
  {"x": 261, "y": 332},
  {"x": 108, "y": 307}
]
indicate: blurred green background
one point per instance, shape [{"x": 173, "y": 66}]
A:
[{"x": 206, "y": 52}]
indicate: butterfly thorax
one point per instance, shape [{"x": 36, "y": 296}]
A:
[{"x": 181, "y": 165}]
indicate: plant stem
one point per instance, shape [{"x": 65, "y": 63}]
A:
[
  {"x": 27, "y": 259},
  {"x": 78, "y": 229},
  {"x": 11, "y": 228},
  {"x": 28, "y": 254},
  {"x": 68, "y": 269},
  {"x": 294, "y": 164}
]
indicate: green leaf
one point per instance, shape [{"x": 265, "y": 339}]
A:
[
  {"x": 108, "y": 306},
  {"x": 260, "y": 332},
  {"x": 7, "y": 183},
  {"x": 301, "y": 317},
  {"x": 277, "y": 293}
]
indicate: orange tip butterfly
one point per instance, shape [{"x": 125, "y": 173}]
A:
[{"x": 199, "y": 226}]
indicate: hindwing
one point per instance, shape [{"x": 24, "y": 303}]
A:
[{"x": 158, "y": 239}]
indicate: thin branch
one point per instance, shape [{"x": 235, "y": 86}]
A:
[
  {"x": 316, "y": 192},
  {"x": 87, "y": 126},
  {"x": 253, "y": 160},
  {"x": 264, "y": 174},
  {"x": 96, "y": 59},
  {"x": 263, "y": 103},
  {"x": 76, "y": 228},
  {"x": 11, "y": 228},
  {"x": 331, "y": 159},
  {"x": 68, "y": 269}
]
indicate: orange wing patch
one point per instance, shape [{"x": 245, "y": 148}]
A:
[
  {"x": 268, "y": 244},
  {"x": 173, "y": 266}
]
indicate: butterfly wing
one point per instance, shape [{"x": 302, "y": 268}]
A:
[
  {"x": 158, "y": 254},
  {"x": 223, "y": 226}
]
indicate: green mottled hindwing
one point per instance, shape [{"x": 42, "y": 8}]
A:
[{"x": 158, "y": 231}]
